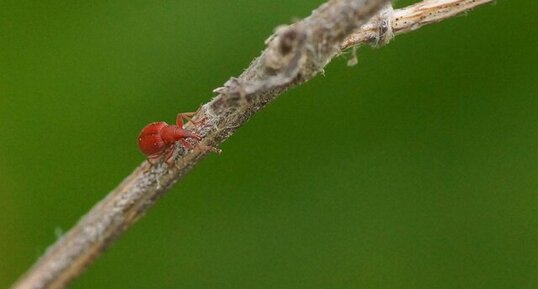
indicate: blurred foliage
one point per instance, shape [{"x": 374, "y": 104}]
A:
[{"x": 418, "y": 168}]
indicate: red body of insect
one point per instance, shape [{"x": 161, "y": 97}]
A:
[{"x": 157, "y": 139}]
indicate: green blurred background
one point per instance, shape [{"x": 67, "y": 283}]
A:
[{"x": 417, "y": 168}]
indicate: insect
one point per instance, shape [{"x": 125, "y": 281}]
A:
[{"x": 157, "y": 139}]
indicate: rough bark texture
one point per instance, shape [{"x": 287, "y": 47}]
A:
[
  {"x": 382, "y": 28},
  {"x": 294, "y": 54}
]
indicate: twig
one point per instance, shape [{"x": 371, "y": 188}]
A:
[
  {"x": 382, "y": 28},
  {"x": 294, "y": 54}
]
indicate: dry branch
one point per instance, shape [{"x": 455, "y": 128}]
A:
[
  {"x": 294, "y": 54},
  {"x": 382, "y": 28}
]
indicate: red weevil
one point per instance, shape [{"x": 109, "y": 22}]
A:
[{"x": 158, "y": 139}]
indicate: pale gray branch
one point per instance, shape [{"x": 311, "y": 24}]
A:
[
  {"x": 294, "y": 54},
  {"x": 389, "y": 23}
]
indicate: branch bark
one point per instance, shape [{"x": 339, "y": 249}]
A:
[
  {"x": 294, "y": 54},
  {"x": 382, "y": 28}
]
